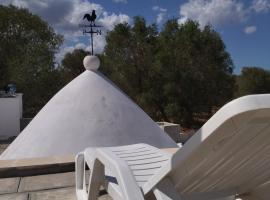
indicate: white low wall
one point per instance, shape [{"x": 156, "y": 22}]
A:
[
  {"x": 173, "y": 130},
  {"x": 10, "y": 115}
]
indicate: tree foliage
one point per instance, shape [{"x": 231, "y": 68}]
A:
[
  {"x": 72, "y": 64},
  {"x": 176, "y": 74},
  {"x": 198, "y": 70},
  {"x": 27, "y": 48},
  {"x": 128, "y": 59},
  {"x": 253, "y": 80}
]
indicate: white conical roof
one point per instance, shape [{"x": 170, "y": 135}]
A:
[{"x": 90, "y": 111}]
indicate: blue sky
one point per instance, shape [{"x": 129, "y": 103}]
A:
[
  {"x": 243, "y": 25},
  {"x": 246, "y": 49}
]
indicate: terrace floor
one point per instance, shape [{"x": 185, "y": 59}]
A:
[
  {"x": 41, "y": 187},
  {"x": 51, "y": 185}
]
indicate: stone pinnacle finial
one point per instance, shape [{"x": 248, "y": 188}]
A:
[{"x": 91, "y": 63}]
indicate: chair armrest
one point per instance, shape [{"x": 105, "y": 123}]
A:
[
  {"x": 79, "y": 177},
  {"x": 106, "y": 158}
]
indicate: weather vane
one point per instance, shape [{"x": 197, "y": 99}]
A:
[{"x": 92, "y": 28}]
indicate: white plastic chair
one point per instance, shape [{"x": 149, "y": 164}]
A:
[{"x": 229, "y": 155}]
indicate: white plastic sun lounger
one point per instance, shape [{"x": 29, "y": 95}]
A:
[{"x": 229, "y": 155}]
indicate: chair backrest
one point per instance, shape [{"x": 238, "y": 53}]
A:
[{"x": 230, "y": 153}]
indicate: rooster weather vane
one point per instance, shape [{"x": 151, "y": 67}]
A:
[{"x": 92, "y": 28}]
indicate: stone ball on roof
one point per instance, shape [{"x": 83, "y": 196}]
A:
[{"x": 91, "y": 62}]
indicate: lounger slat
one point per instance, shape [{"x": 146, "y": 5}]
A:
[
  {"x": 147, "y": 161},
  {"x": 126, "y": 149},
  {"x": 141, "y": 154},
  {"x": 132, "y": 152},
  {"x": 144, "y": 172},
  {"x": 142, "y": 178},
  {"x": 145, "y": 157},
  {"x": 146, "y": 166}
]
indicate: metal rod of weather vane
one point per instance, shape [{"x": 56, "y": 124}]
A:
[{"x": 92, "y": 45}]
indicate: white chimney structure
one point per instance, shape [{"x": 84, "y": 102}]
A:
[
  {"x": 90, "y": 111},
  {"x": 10, "y": 116}
]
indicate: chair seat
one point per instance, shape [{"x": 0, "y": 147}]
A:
[{"x": 143, "y": 160}]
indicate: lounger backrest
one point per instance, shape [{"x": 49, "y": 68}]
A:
[{"x": 230, "y": 153}]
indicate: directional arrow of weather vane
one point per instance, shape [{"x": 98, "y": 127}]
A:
[{"x": 91, "y": 28}]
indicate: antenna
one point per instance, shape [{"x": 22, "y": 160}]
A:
[{"x": 91, "y": 28}]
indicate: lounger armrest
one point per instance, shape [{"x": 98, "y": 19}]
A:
[
  {"x": 122, "y": 173},
  {"x": 107, "y": 159}
]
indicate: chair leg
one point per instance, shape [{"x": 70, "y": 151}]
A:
[
  {"x": 165, "y": 191},
  {"x": 79, "y": 168},
  {"x": 97, "y": 176},
  {"x": 80, "y": 185}
]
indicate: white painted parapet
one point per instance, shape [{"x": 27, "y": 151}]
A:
[
  {"x": 173, "y": 130},
  {"x": 10, "y": 115}
]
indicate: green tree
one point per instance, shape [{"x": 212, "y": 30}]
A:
[
  {"x": 253, "y": 80},
  {"x": 197, "y": 71},
  {"x": 72, "y": 64},
  {"x": 27, "y": 48},
  {"x": 177, "y": 74},
  {"x": 129, "y": 61}
]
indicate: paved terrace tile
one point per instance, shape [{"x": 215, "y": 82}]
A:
[
  {"x": 15, "y": 196},
  {"x": 51, "y": 181},
  {"x": 58, "y": 194},
  {"x": 42, "y": 187},
  {"x": 9, "y": 185}
]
